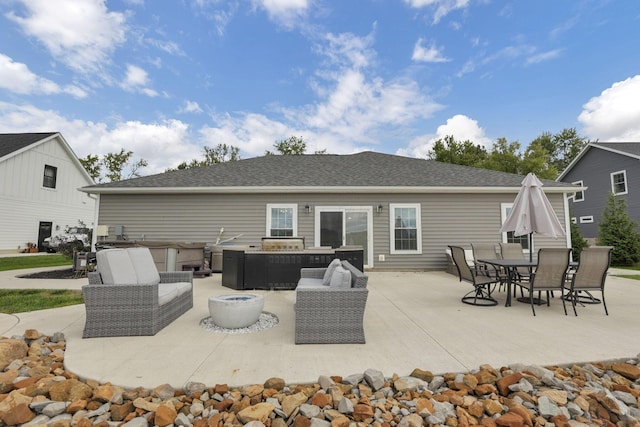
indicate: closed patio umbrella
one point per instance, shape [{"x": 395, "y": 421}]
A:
[{"x": 532, "y": 213}]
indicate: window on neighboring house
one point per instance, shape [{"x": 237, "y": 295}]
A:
[
  {"x": 406, "y": 232},
  {"x": 586, "y": 219},
  {"x": 578, "y": 196},
  {"x": 509, "y": 236},
  {"x": 574, "y": 220},
  {"x": 50, "y": 175},
  {"x": 282, "y": 220},
  {"x": 619, "y": 182}
]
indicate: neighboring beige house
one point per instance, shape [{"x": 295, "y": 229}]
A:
[
  {"x": 39, "y": 181},
  {"x": 402, "y": 211}
]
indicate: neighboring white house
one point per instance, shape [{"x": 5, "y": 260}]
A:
[{"x": 39, "y": 180}]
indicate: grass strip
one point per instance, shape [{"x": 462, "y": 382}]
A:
[
  {"x": 35, "y": 261},
  {"x": 23, "y": 300}
]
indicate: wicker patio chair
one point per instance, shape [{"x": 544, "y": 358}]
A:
[
  {"x": 550, "y": 274},
  {"x": 141, "y": 305},
  {"x": 481, "y": 293},
  {"x": 328, "y": 315},
  {"x": 590, "y": 276}
]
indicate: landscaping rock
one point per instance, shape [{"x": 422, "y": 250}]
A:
[{"x": 35, "y": 389}]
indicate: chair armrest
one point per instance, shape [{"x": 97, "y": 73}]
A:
[
  {"x": 330, "y": 299},
  {"x": 135, "y": 295},
  {"x": 176, "y": 276},
  {"x": 312, "y": 273}
]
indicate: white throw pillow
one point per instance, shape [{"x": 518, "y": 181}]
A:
[
  {"x": 341, "y": 278},
  {"x": 326, "y": 279}
]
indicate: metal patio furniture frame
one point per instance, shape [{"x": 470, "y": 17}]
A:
[
  {"x": 590, "y": 276},
  {"x": 550, "y": 274},
  {"x": 480, "y": 295}
]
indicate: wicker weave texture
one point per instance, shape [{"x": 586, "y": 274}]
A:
[
  {"x": 131, "y": 310},
  {"x": 326, "y": 315}
]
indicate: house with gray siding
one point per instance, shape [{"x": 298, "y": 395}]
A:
[
  {"x": 39, "y": 180},
  {"x": 402, "y": 211},
  {"x": 602, "y": 169}
]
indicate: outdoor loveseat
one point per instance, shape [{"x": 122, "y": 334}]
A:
[
  {"x": 330, "y": 305},
  {"x": 127, "y": 296}
]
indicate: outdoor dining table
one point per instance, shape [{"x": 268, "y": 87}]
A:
[{"x": 511, "y": 266}]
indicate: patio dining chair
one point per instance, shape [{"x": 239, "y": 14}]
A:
[
  {"x": 487, "y": 251},
  {"x": 590, "y": 276},
  {"x": 550, "y": 274},
  {"x": 481, "y": 293},
  {"x": 523, "y": 274}
]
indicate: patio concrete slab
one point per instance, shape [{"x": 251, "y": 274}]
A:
[{"x": 412, "y": 320}]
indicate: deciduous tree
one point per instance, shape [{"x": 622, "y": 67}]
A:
[{"x": 113, "y": 166}]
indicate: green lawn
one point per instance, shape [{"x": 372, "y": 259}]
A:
[
  {"x": 34, "y": 261},
  {"x": 22, "y": 300}
]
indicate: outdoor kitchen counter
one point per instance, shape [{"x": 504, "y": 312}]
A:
[{"x": 259, "y": 269}]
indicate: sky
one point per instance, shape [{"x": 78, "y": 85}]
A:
[{"x": 164, "y": 79}]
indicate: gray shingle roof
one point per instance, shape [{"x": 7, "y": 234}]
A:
[
  {"x": 632, "y": 148},
  {"x": 366, "y": 169},
  {"x": 10, "y": 142}
]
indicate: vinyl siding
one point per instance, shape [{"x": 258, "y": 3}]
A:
[
  {"x": 24, "y": 202},
  {"x": 594, "y": 170},
  {"x": 446, "y": 219}
]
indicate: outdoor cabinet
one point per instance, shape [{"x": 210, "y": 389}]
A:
[
  {"x": 255, "y": 271},
  {"x": 233, "y": 271},
  {"x": 278, "y": 269}
]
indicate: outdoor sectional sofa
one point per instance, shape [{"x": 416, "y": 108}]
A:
[
  {"x": 330, "y": 311},
  {"x": 127, "y": 296}
]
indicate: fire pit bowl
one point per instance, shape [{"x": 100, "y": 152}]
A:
[{"x": 234, "y": 311}]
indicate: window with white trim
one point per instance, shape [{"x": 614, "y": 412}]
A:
[
  {"x": 574, "y": 220},
  {"x": 586, "y": 219},
  {"x": 509, "y": 236},
  {"x": 405, "y": 228},
  {"x": 578, "y": 196},
  {"x": 619, "y": 182},
  {"x": 50, "y": 176},
  {"x": 282, "y": 220}
]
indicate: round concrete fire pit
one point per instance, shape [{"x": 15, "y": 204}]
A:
[{"x": 234, "y": 311}]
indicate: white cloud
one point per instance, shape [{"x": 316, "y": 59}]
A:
[
  {"x": 461, "y": 127},
  {"x": 543, "y": 56},
  {"x": 427, "y": 54},
  {"x": 16, "y": 77},
  {"x": 288, "y": 13},
  {"x": 190, "y": 107},
  {"x": 163, "y": 144},
  {"x": 136, "y": 80},
  {"x": 614, "y": 115},
  {"x": 79, "y": 33},
  {"x": 442, "y": 7}
]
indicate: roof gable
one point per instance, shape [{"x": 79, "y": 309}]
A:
[
  {"x": 14, "y": 143},
  {"x": 320, "y": 171},
  {"x": 627, "y": 149}
]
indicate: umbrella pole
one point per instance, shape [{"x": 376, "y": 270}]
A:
[{"x": 530, "y": 247}]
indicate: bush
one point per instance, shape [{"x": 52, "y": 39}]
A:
[
  {"x": 578, "y": 242},
  {"x": 618, "y": 230},
  {"x": 67, "y": 249}
]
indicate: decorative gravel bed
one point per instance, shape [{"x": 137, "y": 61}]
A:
[{"x": 265, "y": 321}]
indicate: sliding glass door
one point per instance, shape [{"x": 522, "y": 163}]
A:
[{"x": 345, "y": 226}]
